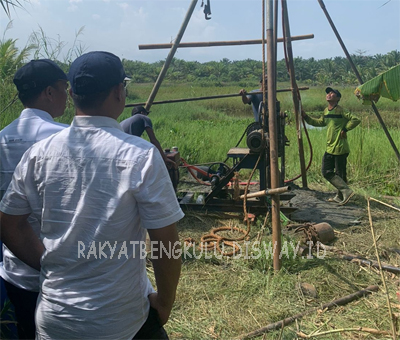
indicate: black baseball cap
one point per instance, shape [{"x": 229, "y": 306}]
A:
[
  {"x": 95, "y": 72},
  {"x": 261, "y": 78},
  {"x": 140, "y": 109},
  {"x": 36, "y": 75},
  {"x": 330, "y": 89}
]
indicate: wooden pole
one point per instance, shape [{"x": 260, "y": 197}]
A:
[
  {"x": 273, "y": 138},
  {"x": 207, "y": 97},
  {"x": 339, "y": 302},
  {"x": 170, "y": 56},
  {"x": 389, "y": 137},
  {"x": 296, "y": 102},
  {"x": 219, "y": 43}
]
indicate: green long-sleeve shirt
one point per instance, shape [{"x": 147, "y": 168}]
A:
[{"x": 336, "y": 120}]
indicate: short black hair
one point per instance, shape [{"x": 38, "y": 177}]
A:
[
  {"x": 90, "y": 101},
  {"x": 139, "y": 110},
  {"x": 28, "y": 98}
]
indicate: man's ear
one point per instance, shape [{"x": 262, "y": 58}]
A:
[
  {"x": 48, "y": 92},
  {"x": 118, "y": 91}
]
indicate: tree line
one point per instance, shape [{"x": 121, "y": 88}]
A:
[{"x": 308, "y": 71}]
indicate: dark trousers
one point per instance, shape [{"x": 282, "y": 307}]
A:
[
  {"x": 24, "y": 302},
  {"x": 334, "y": 165},
  {"x": 152, "y": 328}
]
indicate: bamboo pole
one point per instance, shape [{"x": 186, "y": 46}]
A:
[
  {"x": 383, "y": 203},
  {"x": 220, "y": 43},
  {"x": 207, "y": 97},
  {"x": 389, "y": 137},
  {"x": 295, "y": 93},
  {"x": 342, "y": 330},
  {"x": 339, "y": 302},
  {"x": 170, "y": 56},
  {"x": 381, "y": 272},
  {"x": 261, "y": 193},
  {"x": 273, "y": 138}
]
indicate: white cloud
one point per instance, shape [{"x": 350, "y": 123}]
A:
[
  {"x": 72, "y": 8},
  {"x": 96, "y": 16},
  {"x": 124, "y": 6},
  {"x": 74, "y": 1}
]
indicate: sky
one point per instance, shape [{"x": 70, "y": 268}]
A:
[{"x": 366, "y": 26}]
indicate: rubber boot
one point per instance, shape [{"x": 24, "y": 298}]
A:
[
  {"x": 338, "y": 197},
  {"x": 341, "y": 185}
]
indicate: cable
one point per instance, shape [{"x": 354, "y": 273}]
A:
[{"x": 298, "y": 95}]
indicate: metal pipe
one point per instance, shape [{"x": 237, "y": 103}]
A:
[
  {"x": 273, "y": 138},
  {"x": 389, "y": 137},
  {"x": 296, "y": 102},
  {"x": 219, "y": 43},
  {"x": 170, "y": 56},
  {"x": 207, "y": 97},
  {"x": 266, "y": 192}
]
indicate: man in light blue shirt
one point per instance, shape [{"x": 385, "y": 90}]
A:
[{"x": 41, "y": 86}]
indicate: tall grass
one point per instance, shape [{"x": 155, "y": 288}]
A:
[{"x": 205, "y": 130}]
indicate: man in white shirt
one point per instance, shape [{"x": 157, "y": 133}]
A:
[
  {"x": 41, "y": 86},
  {"x": 96, "y": 190}
]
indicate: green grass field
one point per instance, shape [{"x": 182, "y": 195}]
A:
[
  {"x": 224, "y": 298},
  {"x": 205, "y": 130}
]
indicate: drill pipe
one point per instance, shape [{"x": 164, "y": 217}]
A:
[{"x": 261, "y": 193}]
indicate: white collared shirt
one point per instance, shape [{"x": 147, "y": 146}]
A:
[
  {"x": 30, "y": 127},
  {"x": 95, "y": 189}
]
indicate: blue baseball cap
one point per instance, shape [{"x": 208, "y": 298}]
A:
[
  {"x": 95, "y": 72},
  {"x": 36, "y": 75}
]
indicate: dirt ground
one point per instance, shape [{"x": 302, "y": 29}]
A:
[{"x": 313, "y": 206}]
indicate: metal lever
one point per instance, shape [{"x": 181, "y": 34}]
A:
[{"x": 207, "y": 10}]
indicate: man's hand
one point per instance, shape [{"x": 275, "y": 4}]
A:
[
  {"x": 303, "y": 114},
  {"x": 17, "y": 234},
  {"x": 343, "y": 134},
  {"x": 163, "y": 311},
  {"x": 243, "y": 93},
  {"x": 167, "y": 268}
]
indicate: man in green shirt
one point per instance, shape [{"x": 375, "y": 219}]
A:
[{"x": 338, "y": 122}]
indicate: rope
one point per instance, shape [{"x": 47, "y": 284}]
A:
[{"x": 190, "y": 167}]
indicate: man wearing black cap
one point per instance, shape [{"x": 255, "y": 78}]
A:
[
  {"x": 42, "y": 89},
  {"x": 96, "y": 190},
  {"x": 138, "y": 123},
  {"x": 334, "y": 162}
]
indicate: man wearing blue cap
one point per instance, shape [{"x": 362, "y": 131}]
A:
[
  {"x": 42, "y": 89},
  {"x": 334, "y": 162},
  {"x": 96, "y": 190}
]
